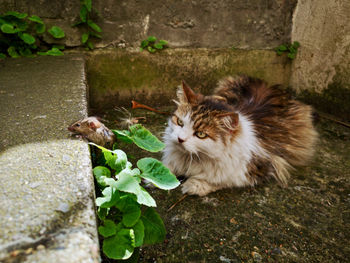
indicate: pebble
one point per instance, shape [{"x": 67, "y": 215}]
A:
[
  {"x": 224, "y": 259},
  {"x": 256, "y": 256}
]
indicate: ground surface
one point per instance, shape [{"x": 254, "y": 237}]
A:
[{"x": 308, "y": 221}]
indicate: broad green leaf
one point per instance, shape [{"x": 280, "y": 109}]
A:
[
  {"x": 158, "y": 46},
  {"x": 94, "y": 34},
  {"x": 154, "y": 227},
  {"x": 56, "y": 32},
  {"x": 155, "y": 172},
  {"x": 139, "y": 231},
  {"x": 163, "y": 42},
  {"x": 279, "y": 53},
  {"x": 100, "y": 173},
  {"x": 2, "y": 56},
  {"x": 36, "y": 19},
  {"x": 54, "y": 52},
  {"x": 60, "y": 47},
  {"x": 90, "y": 45},
  {"x": 296, "y": 44},
  {"x": 83, "y": 13},
  {"x": 109, "y": 228},
  {"x": 131, "y": 210},
  {"x": 134, "y": 257},
  {"x": 94, "y": 26},
  {"x": 144, "y": 43},
  {"x": 291, "y": 55},
  {"x": 8, "y": 29},
  {"x": 109, "y": 199},
  {"x": 282, "y": 48},
  {"x": 84, "y": 38},
  {"x": 28, "y": 39},
  {"x": 102, "y": 213},
  {"x": 151, "y": 49},
  {"x": 40, "y": 28},
  {"x": 122, "y": 136},
  {"x": 16, "y": 14},
  {"x": 88, "y": 4},
  {"x": 129, "y": 184},
  {"x": 12, "y": 52},
  {"x": 121, "y": 245},
  {"x": 144, "y": 139},
  {"x": 151, "y": 39},
  {"x": 116, "y": 159},
  {"x": 26, "y": 52}
]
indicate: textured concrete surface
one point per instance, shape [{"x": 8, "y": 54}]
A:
[
  {"x": 200, "y": 23},
  {"x": 117, "y": 76},
  {"x": 47, "y": 197},
  {"x": 323, "y": 29}
]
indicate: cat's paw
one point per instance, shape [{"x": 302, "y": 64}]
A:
[{"x": 197, "y": 187}]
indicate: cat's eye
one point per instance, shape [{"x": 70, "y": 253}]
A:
[
  {"x": 180, "y": 122},
  {"x": 201, "y": 135}
]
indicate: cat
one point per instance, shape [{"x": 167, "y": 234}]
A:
[{"x": 243, "y": 133}]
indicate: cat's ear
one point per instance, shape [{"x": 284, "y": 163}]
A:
[
  {"x": 187, "y": 95},
  {"x": 229, "y": 119}
]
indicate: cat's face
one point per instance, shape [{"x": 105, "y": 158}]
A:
[{"x": 201, "y": 124}]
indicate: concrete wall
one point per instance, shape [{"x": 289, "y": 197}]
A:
[{"x": 198, "y": 23}]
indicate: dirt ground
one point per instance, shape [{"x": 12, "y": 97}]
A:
[{"x": 308, "y": 221}]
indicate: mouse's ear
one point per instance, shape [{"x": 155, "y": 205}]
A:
[{"x": 94, "y": 124}]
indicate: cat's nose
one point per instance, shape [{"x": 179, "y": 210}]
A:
[{"x": 180, "y": 140}]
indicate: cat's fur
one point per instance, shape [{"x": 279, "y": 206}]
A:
[{"x": 252, "y": 132}]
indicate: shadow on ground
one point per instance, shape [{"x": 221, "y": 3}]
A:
[{"x": 306, "y": 222}]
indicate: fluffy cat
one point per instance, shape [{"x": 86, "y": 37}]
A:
[{"x": 243, "y": 133}]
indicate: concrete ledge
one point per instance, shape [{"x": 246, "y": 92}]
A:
[{"x": 47, "y": 198}]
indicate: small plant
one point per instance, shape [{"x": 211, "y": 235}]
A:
[
  {"x": 290, "y": 49},
  {"x": 152, "y": 45},
  {"x": 86, "y": 21},
  {"x": 125, "y": 226},
  {"x": 20, "y": 36}
]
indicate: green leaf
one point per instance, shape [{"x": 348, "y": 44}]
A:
[
  {"x": 89, "y": 45},
  {"x": 151, "y": 39},
  {"x": 129, "y": 184},
  {"x": 121, "y": 245},
  {"x": 158, "y": 46},
  {"x": 144, "y": 43},
  {"x": 2, "y": 56},
  {"x": 279, "y": 53},
  {"x": 60, "y": 47},
  {"x": 36, "y": 19},
  {"x": 154, "y": 227},
  {"x": 83, "y": 13},
  {"x": 8, "y": 29},
  {"x": 116, "y": 159},
  {"x": 100, "y": 173},
  {"x": 56, "y": 32},
  {"x": 109, "y": 199},
  {"x": 94, "y": 34},
  {"x": 163, "y": 42},
  {"x": 40, "y": 28},
  {"x": 12, "y": 52},
  {"x": 282, "y": 48},
  {"x": 16, "y": 14},
  {"x": 84, "y": 38},
  {"x": 154, "y": 171},
  {"x": 151, "y": 49},
  {"x": 131, "y": 210},
  {"x": 291, "y": 55},
  {"x": 296, "y": 44},
  {"x": 88, "y": 4},
  {"x": 28, "y": 39},
  {"x": 94, "y": 26},
  {"x": 108, "y": 229},
  {"x": 139, "y": 231},
  {"x": 26, "y": 52},
  {"x": 102, "y": 213},
  {"x": 144, "y": 139},
  {"x": 54, "y": 52},
  {"x": 122, "y": 136}
]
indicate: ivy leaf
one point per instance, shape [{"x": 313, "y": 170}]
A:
[
  {"x": 139, "y": 231},
  {"x": 144, "y": 139},
  {"x": 154, "y": 227},
  {"x": 90, "y": 45},
  {"x": 151, "y": 39},
  {"x": 154, "y": 171},
  {"x": 109, "y": 228},
  {"x": 144, "y": 43},
  {"x": 56, "y": 32},
  {"x": 109, "y": 199},
  {"x": 28, "y": 39},
  {"x": 121, "y": 245},
  {"x": 12, "y": 52},
  {"x": 129, "y": 184},
  {"x": 296, "y": 44},
  {"x": 163, "y": 42},
  {"x": 84, "y": 38},
  {"x": 88, "y": 4},
  {"x": 54, "y": 52},
  {"x": 291, "y": 55},
  {"x": 2, "y": 56},
  {"x": 16, "y": 14},
  {"x": 158, "y": 46},
  {"x": 94, "y": 26},
  {"x": 26, "y": 52},
  {"x": 40, "y": 28},
  {"x": 8, "y": 29},
  {"x": 36, "y": 19},
  {"x": 100, "y": 173},
  {"x": 151, "y": 49},
  {"x": 282, "y": 48},
  {"x": 83, "y": 13}
]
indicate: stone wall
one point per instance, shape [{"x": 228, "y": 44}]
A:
[{"x": 245, "y": 24}]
